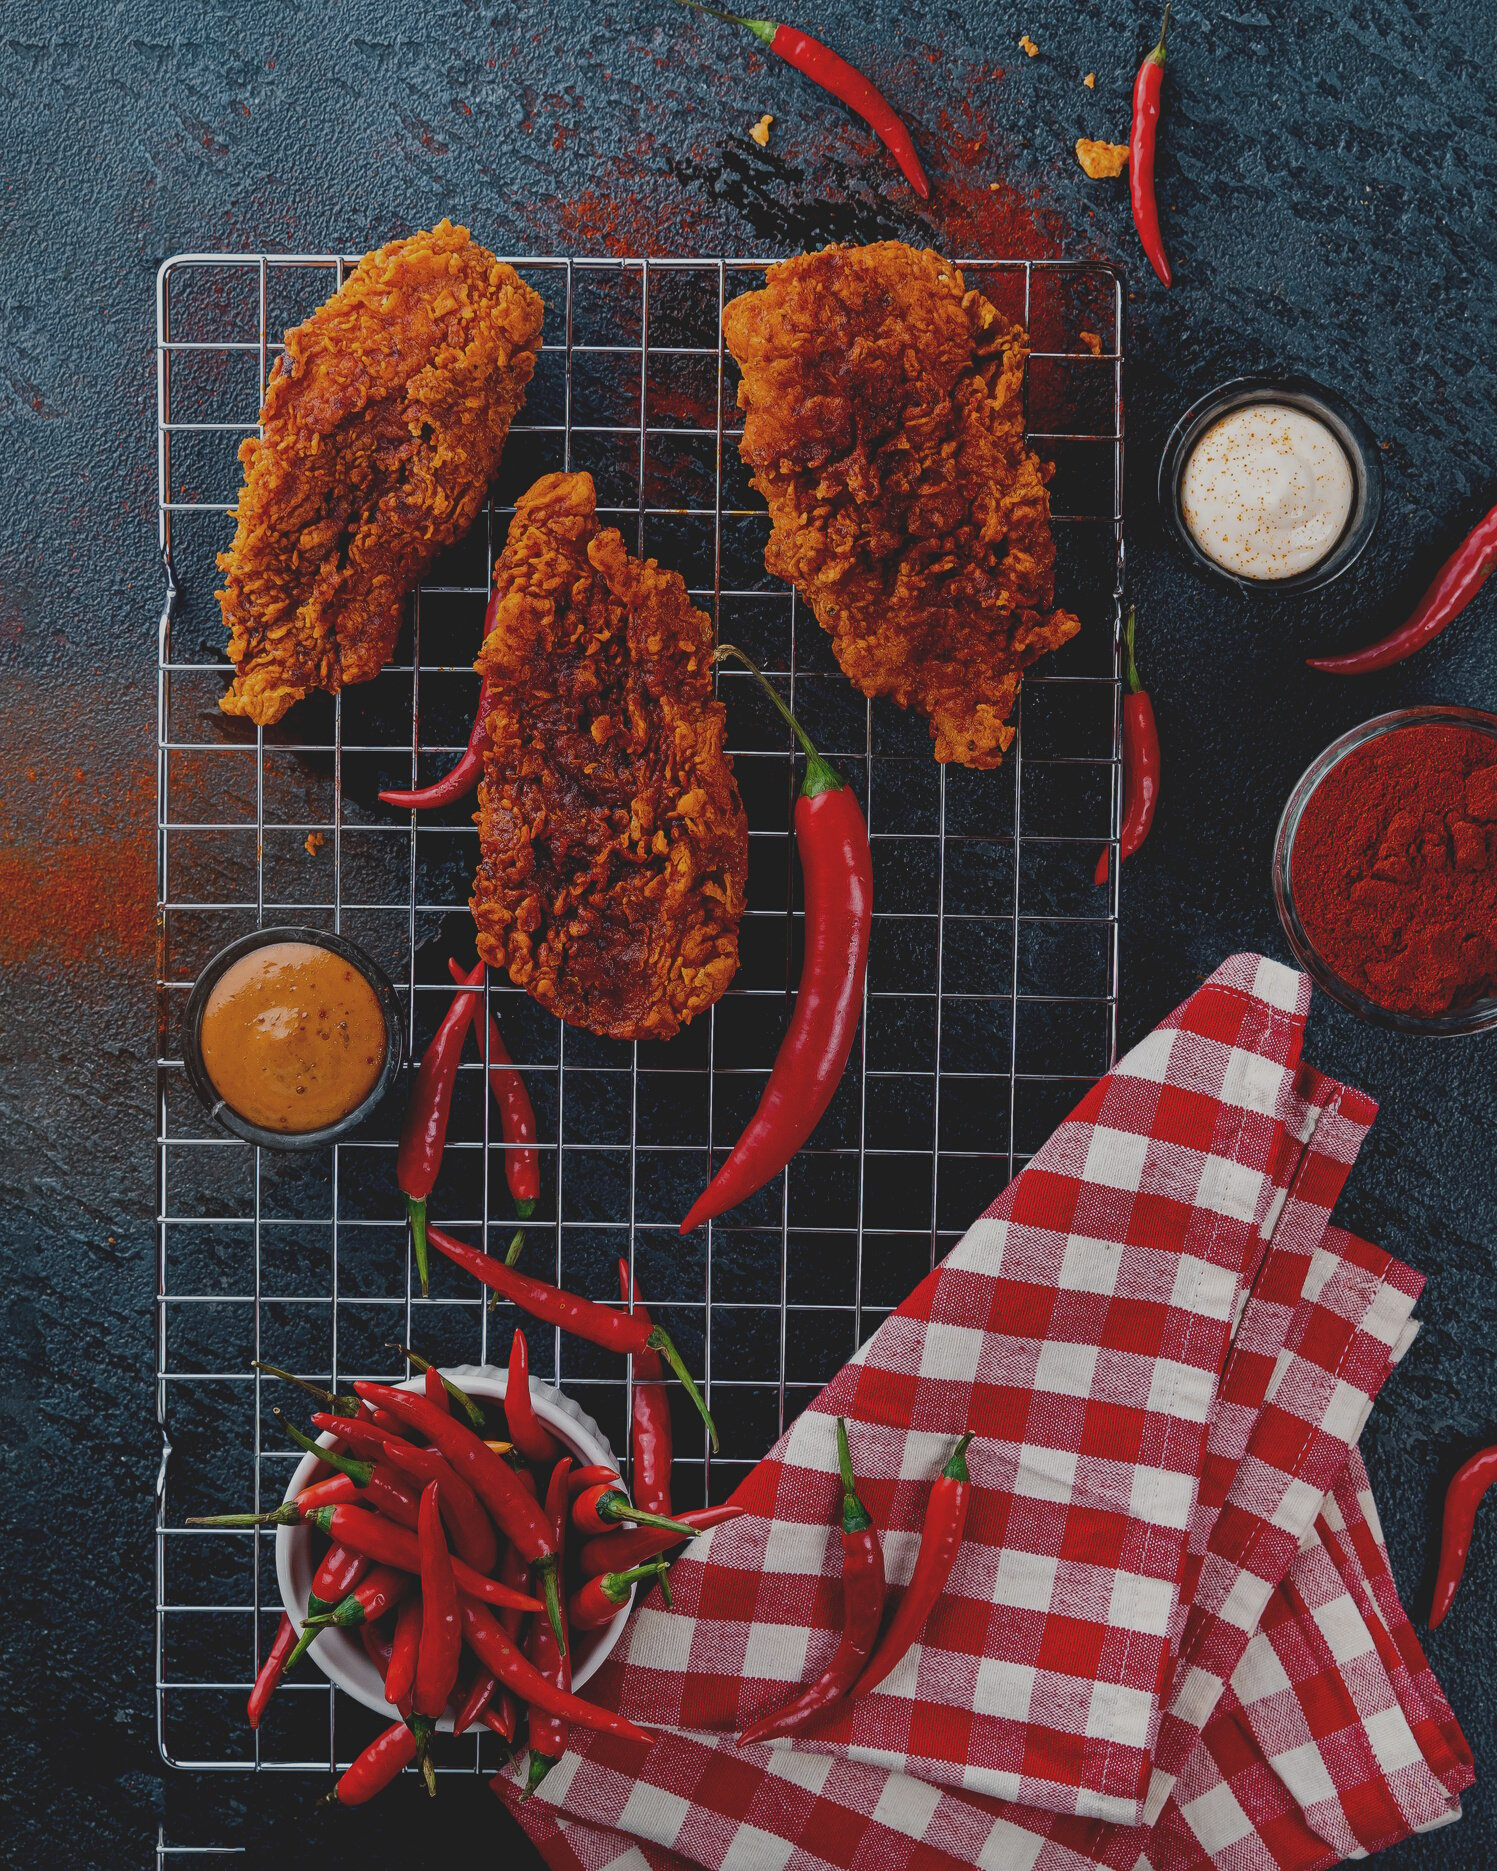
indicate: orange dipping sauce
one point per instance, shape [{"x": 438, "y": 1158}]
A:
[{"x": 293, "y": 1037}]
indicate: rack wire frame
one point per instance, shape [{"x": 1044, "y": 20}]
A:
[{"x": 983, "y": 888}]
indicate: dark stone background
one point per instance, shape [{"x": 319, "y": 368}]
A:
[{"x": 1328, "y": 175}]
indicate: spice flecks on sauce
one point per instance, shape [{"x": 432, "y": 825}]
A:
[
  {"x": 1267, "y": 491},
  {"x": 293, "y": 1037}
]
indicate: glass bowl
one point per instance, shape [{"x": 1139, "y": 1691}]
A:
[
  {"x": 1345, "y": 424},
  {"x": 1478, "y": 1016},
  {"x": 192, "y": 1039}
]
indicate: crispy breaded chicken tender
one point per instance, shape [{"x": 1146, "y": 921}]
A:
[
  {"x": 613, "y": 844},
  {"x": 382, "y": 426},
  {"x": 885, "y": 428}
]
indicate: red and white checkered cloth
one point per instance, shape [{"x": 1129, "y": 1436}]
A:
[{"x": 1171, "y": 1638}]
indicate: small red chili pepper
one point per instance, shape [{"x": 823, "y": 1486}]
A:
[
  {"x": 1141, "y": 139},
  {"x": 378, "y": 1643},
  {"x": 330, "y": 1493},
  {"x": 423, "y": 1135},
  {"x": 512, "y": 1571},
  {"x": 600, "y": 1325},
  {"x": 530, "y": 1437},
  {"x": 380, "y": 1591},
  {"x": 435, "y": 1390},
  {"x": 837, "y": 866},
  {"x": 356, "y": 1432},
  {"x": 581, "y": 1479},
  {"x": 334, "y": 1579},
  {"x": 470, "y": 1406},
  {"x": 492, "y": 1647},
  {"x": 940, "y": 1536},
  {"x": 624, "y": 1547},
  {"x": 473, "y": 1536},
  {"x": 272, "y": 1669},
  {"x": 651, "y": 1438},
  {"x": 549, "y": 1734},
  {"x": 522, "y": 1163},
  {"x": 598, "y": 1508},
  {"x": 1141, "y": 765},
  {"x": 469, "y": 770},
  {"x": 441, "y": 1625},
  {"x": 492, "y": 1479},
  {"x": 376, "y": 1767},
  {"x": 405, "y": 1645},
  {"x": 389, "y": 1545},
  {"x": 845, "y": 82},
  {"x": 1453, "y": 587},
  {"x": 596, "y": 1602},
  {"x": 1468, "y": 1485},
  {"x": 862, "y": 1608},
  {"x": 476, "y": 1699}
]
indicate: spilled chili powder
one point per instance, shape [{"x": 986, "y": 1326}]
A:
[{"x": 1395, "y": 868}]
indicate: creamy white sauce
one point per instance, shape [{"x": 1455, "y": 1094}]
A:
[{"x": 1267, "y": 491}]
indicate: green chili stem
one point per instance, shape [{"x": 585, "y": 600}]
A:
[{"x": 821, "y": 775}]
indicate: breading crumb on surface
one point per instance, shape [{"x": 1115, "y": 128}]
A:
[
  {"x": 1092, "y": 340},
  {"x": 1090, "y": 81},
  {"x": 885, "y": 428},
  {"x": 613, "y": 847},
  {"x": 1028, "y": 47},
  {"x": 313, "y": 843},
  {"x": 382, "y": 428},
  {"x": 1101, "y": 160},
  {"x": 760, "y": 131}
]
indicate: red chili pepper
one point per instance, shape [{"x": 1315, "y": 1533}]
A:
[
  {"x": 845, "y": 82},
  {"x": 378, "y": 1644},
  {"x": 596, "y": 1602},
  {"x": 377, "y": 1766},
  {"x": 549, "y": 1734},
  {"x": 512, "y": 1570},
  {"x": 522, "y": 1163},
  {"x": 334, "y": 1579},
  {"x": 435, "y": 1390},
  {"x": 1468, "y": 1485},
  {"x": 473, "y": 1537},
  {"x": 598, "y": 1508},
  {"x": 441, "y": 1625},
  {"x": 356, "y": 1431},
  {"x": 528, "y": 1434},
  {"x": 1140, "y": 761},
  {"x": 476, "y": 1699},
  {"x": 330, "y": 1493},
  {"x": 405, "y": 1646},
  {"x": 469, "y": 770},
  {"x": 600, "y": 1325},
  {"x": 628, "y": 1546},
  {"x": 651, "y": 1438},
  {"x": 423, "y": 1135},
  {"x": 390, "y": 1545},
  {"x": 272, "y": 1669},
  {"x": 380, "y": 1591},
  {"x": 1141, "y": 138},
  {"x": 1453, "y": 587},
  {"x": 862, "y": 1607},
  {"x": 492, "y": 1479},
  {"x": 592, "y": 1476},
  {"x": 470, "y": 1406},
  {"x": 940, "y": 1536},
  {"x": 491, "y": 1646},
  {"x": 837, "y": 865}
]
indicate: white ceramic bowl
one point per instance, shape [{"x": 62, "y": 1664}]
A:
[{"x": 339, "y": 1654}]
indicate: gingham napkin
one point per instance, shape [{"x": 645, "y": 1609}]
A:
[{"x": 1171, "y": 1637}]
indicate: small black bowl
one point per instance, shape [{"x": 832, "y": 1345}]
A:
[
  {"x": 192, "y": 1047},
  {"x": 1349, "y": 430}
]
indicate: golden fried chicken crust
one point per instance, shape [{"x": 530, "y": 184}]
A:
[
  {"x": 382, "y": 426},
  {"x": 613, "y": 844},
  {"x": 885, "y": 428}
]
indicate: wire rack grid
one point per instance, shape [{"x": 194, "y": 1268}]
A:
[{"x": 992, "y": 986}]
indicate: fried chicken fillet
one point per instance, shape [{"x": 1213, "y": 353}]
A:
[
  {"x": 613, "y": 844},
  {"x": 885, "y": 428},
  {"x": 382, "y": 427}
]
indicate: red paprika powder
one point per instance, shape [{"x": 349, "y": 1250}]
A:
[{"x": 1394, "y": 868}]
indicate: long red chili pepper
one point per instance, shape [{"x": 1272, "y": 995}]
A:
[
  {"x": 377, "y": 1766},
  {"x": 514, "y": 1512},
  {"x": 356, "y": 1431},
  {"x": 272, "y": 1669},
  {"x": 473, "y": 1536},
  {"x": 1462, "y": 1498},
  {"x": 651, "y": 1438},
  {"x": 530, "y": 1437},
  {"x": 862, "y": 1608},
  {"x": 378, "y": 1644},
  {"x": 595, "y": 1474},
  {"x": 845, "y": 82},
  {"x": 470, "y": 1406},
  {"x": 837, "y": 865},
  {"x": 334, "y": 1579},
  {"x": 423, "y": 1135},
  {"x": 1453, "y": 587},
  {"x": 389, "y": 1545},
  {"x": 1141, "y": 140},
  {"x": 596, "y": 1601},
  {"x": 469, "y": 770},
  {"x": 480, "y": 1692},
  {"x": 329, "y": 1493},
  {"x": 441, "y": 1624},
  {"x": 940, "y": 1536},
  {"x": 626, "y": 1547},
  {"x": 598, "y": 1508},
  {"x": 600, "y": 1325},
  {"x": 380, "y": 1591},
  {"x": 492, "y": 1647},
  {"x": 548, "y": 1734},
  {"x": 522, "y": 1163},
  {"x": 512, "y": 1571},
  {"x": 1141, "y": 765},
  {"x": 405, "y": 1645}
]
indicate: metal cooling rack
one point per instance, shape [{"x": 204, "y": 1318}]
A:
[{"x": 992, "y": 987}]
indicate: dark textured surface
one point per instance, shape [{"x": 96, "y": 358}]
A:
[{"x": 1328, "y": 177}]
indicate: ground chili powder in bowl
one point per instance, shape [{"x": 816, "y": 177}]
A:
[{"x": 1385, "y": 870}]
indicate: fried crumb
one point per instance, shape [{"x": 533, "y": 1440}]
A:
[
  {"x": 1101, "y": 159},
  {"x": 993, "y": 187},
  {"x": 1090, "y": 81},
  {"x": 1092, "y": 340},
  {"x": 760, "y": 131},
  {"x": 314, "y": 843},
  {"x": 1027, "y": 45}
]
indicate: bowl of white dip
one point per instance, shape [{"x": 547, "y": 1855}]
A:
[{"x": 1271, "y": 484}]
